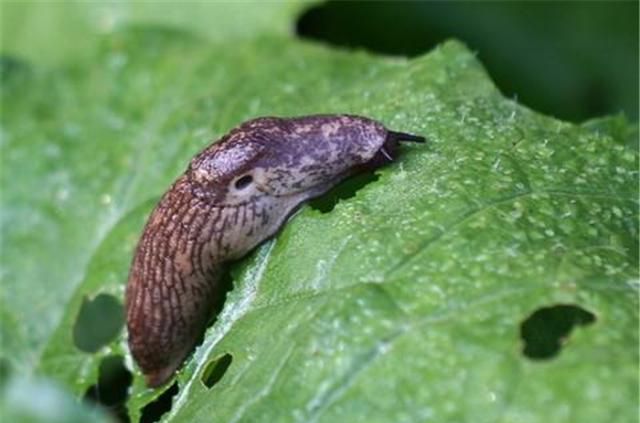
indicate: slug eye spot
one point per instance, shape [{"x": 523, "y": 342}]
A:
[
  {"x": 545, "y": 332},
  {"x": 243, "y": 182}
]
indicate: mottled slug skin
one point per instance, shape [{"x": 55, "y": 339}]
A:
[{"x": 208, "y": 218}]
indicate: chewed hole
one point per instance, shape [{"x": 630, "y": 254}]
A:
[
  {"x": 343, "y": 191},
  {"x": 111, "y": 390},
  {"x": 547, "y": 329},
  {"x": 216, "y": 369},
  {"x": 98, "y": 323},
  {"x": 154, "y": 411},
  {"x": 243, "y": 182}
]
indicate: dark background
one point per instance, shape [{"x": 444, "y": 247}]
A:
[{"x": 575, "y": 60}]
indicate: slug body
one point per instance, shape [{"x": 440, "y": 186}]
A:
[{"x": 234, "y": 195}]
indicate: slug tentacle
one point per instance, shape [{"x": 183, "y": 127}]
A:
[
  {"x": 402, "y": 136},
  {"x": 235, "y": 194}
]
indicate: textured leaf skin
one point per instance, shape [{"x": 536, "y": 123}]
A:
[{"x": 403, "y": 303}]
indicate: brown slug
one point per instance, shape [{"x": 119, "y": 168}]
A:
[{"x": 235, "y": 194}]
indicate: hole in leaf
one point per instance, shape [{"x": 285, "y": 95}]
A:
[
  {"x": 110, "y": 392},
  {"x": 153, "y": 411},
  {"x": 215, "y": 370},
  {"x": 98, "y": 323},
  {"x": 343, "y": 191},
  {"x": 547, "y": 329}
]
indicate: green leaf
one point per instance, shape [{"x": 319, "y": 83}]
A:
[
  {"x": 53, "y": 404},
  {"x": 404, "y": 302},
  {"x": 35, "y": 31}
]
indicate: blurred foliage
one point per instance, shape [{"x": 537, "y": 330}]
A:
[
  {"x": 404, "y": 301},
  {"x": 29, "y": 400},
  {"x": 570, "y": 59}
]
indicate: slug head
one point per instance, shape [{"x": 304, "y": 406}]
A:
[{"x": 290, "y": 157}]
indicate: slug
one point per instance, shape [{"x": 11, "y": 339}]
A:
[{"x": 234, "y": 195}]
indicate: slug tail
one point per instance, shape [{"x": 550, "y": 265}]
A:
[{"x": 159, "y": 377}]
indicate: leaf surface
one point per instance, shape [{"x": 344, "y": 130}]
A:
[{"x": 403, "y": 303}]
